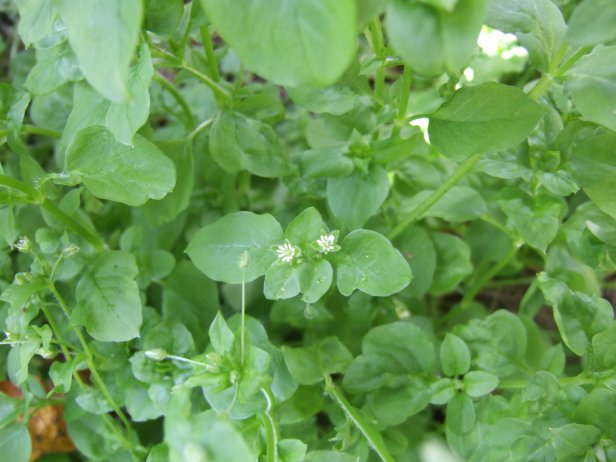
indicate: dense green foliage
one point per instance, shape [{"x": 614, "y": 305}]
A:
[{"x": 320, "y": 231}]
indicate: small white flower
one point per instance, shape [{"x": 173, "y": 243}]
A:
[
  {"x": 326, "y": 243},
  {"x": 287, "y": 252},
  {"x": 23, "y": 244}
]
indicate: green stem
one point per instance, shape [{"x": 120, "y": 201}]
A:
[
  {"x": 90, "y": 236},
  {"x": 34, "y": 130},
  {"x": 541, "y": 87},
  {"x": 199, "y": 128},
  {"x": 243, "y": 321},
  {"x": 376, "y": 34},
  {"x": 517, "y": 384},
  {"x": 35, "y": 197},
  {"x": 215, "y": 87},
  {"x": 209, "y": 52},
  {"x": 190, "y": 121},
  {"x": 405, "y": 90},
  {"x": 571, "y": 61},
  {"x": 90, "y": 361},
  {"x": 417, "y": 212},
  {"x": 509, "y": 282},
  {"x": 56, "y": 331},
  {"x": 373, "y": 437},
  {"x": 487, "y": 276},
  {"x": 272, "y": 432},
  {"x": 22, "y": 187}
]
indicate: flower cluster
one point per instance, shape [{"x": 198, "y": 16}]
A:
[{"x": 325, "y": 244}]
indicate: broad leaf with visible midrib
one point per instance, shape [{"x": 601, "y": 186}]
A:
[
  {"x": 433, "y": 40},
  {"x": 118, "y": 172},
  {"x": 290, "y": 42},
  {"x": 243, "y": 238},
  {"x": 593, "y": 165},
  {"x": 108, "y": 302},
  {"x": 370, "y": 263},
  {"x": 103, "y": 35},
  {"x": 483, "y": 118}
]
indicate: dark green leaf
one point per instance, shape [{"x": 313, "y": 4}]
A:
[
  {"x": 104, "y": 37},
  {"x": 239, "y": 143},
  {"x": 483, "y": 118},
  {"x": 306, "y": 43},
  {"x": 369, "y": 189},
  {"x": 538, "y": 24},
  {"x": 236, "y": 248},
  {"x": 455, "y": 356},
  {"x": 108, "y": 298},
  {"x": 370, "y": 263},
  {"x": 592, "y": 82},
  {"x": 577, "y": 315},
  {"x": 453, "y": 262},
  {"x": 461, "y": 415},
  {"x": 594, "y": 168},
  {"x": 592, "y": 22},
  {"x": 118, "y": 172},
  {"x": 433, "y": 40}
]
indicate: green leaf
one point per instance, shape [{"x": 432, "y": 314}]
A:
[
  {"x": 117, "y": 172},
  {"x": 281, "y": 281},
  {"x": 460, "y": 414},
  {"x": 416, "y": 245},
  {"x": 594, "y": 168},
  {"x": 303, "y": 365},
  {"x": 219, "y": 250},
  {"x": 596, "y": 408},
  {"x": 240, "y": 143},
  {"x": 174, "y": 203},
  {"x": 442, "y": 391},
  {"x": 390, "y": 350},
  {"x": 538, "y": 24},
  {"x": 330, "y": 456},
  {"x": 433, "y": 40},
  {"x": 36, "y": 20},
  {"x": 220, "y": 335},
  {"x": 15, "y": 442},
  {"x": 368, "y": 262},
  {"x": 108, "y": 302},
  {"x": 455, "y": 356},
  {"x": 54, "y": 67},
  {"x": 479, "y": 383},
  {"x": 573, "y": 440},
  {"x": 315, "y": 280},
  {"x": 292, "y": 450},
  {"x": 395, "y": 406},
  {"x": 124, "y": 119},
  {"x": 453, "y": 262},
  {"x": 369, "y": 189},
  {"x": 592, "y": 82},
  {"x": 305, "y": 229},
  {"x": 305, "y": 43},
  {"x": 103, "y": 37},
  {"x": 592, "y": 22},
  {"x": 163, "y": 16},
  {"x": 328, "y": 162},
  {"x": 604, "y": 348},
  {"x": 536, "y": 219},
  {"x": 577, "y": 315},
  {"x": 191, "y": 298},
  {"x": 62, "y": 375},
  {"x": 336, "y": 99},
  {"x": 459, "y": 204},
  {"x": 498, "y": 343},
  {"x": 483, "y": 118}
]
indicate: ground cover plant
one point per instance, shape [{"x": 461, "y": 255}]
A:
[{"x": 321, "y": 231}]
